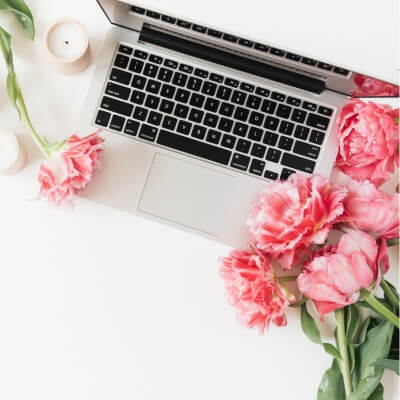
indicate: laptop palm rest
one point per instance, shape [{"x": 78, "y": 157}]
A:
[{"x": 185, "y": 193}]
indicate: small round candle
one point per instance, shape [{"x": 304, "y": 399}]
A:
[
  {"x": 12, "y": 154},
  {"x": 67, "y": 44}
]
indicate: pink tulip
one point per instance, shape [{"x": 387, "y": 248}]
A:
[{"x": 370, "y": 87}]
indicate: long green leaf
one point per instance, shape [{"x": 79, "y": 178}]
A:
[
  {"x": 332, "y": 386},
  {"x": 352, "y": 323},
  {"x": 393, "y": 365},
  {"x": 378, "y": 394},
  {"x": 366, "y": 387},
  {"x": 22, "y": 13},
  {"x": 309, "y": 326}
]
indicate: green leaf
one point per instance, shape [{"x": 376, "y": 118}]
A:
[
  {"x": 366, "y": 387},
  {"x": 392, "y": 242},
  {"x": 332, "y": 386},
  {"x": 393, "y": 365},
  {"x": 352, "y": 323},
  {"x": 332, "y": 350},
  {"x": 5, "y": 45},
  {"x": 22, "y": 13},
  {"x": 378, "y": 394},
  {"x": 309, "y": 326},
  {"x": 13, "y": 89}
]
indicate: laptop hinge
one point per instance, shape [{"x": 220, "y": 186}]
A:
[{"x": 231, "y": 60}]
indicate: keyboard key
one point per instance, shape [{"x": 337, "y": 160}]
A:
[
  {"x": 243, "y": 146},
  {"x": 115, "y": 90},
  {"x": 228, "y": 141},
  {"x": 262, "y": 92},
  {"x": 136, "y": 66},
  {"x": 103, "y": 118},
  {"x": 224, "y": 93},
  {"x": 150, "y": 70},
  {"x": 186, "y": 68},
  {"x": 138, "y": 10},
  {"x": 230, "y": 38},
  {"x": 277, "y": 52},
  {"x": 169, "y": 123},
  {"x": 140, "y": 113},
  {"x": 245, "y": 42},
  {"x": 125, "y": 49},
  {"x": 210, "y": 120},
  {"x": 273, "y": 176},
  {"x": 197, "y": 100},
  {"x": 283, "y": 111},
  {"x": 271, "y": 123},
  {"x": 261, "y": 47},
  {"x": 293, "y": 57},
  {"x": 256, "y": 118},
  {"x": 226, "y": 109},
  {"x": 182, "y": 96},
  {"x": 240, "y": 129},
  {"x": 194, "y": 84},
  {"x": 293, "y": 101},
  {"x": 153, "y": 14},
  {"x": 239, "y": 161},
  {"x": 120, "y": 76},
  {"x": 214, "y": 33},
  {"x": 309, "y": 106},
  {"x": 131, "y": 127},
  {"x": 148, "y": 132},
  {"x": 167, "y": 91},
  {"x": 255, "y": 134},
  {"x": 184, "y": 24},
  {"x": 152, "y": 102},
  {"x": 258, "y": 150},
  {"x": 121, "y": 61},
  {"x": 181, "y": 111},
  {"x": 155, "y": 118},
  {"x": 139, "y": 82},
  {"x": 308, "y": 61},
  {"x": 201, "y": 73},
  {"x": 225, "y": 125},
  {"x": 238, "y": 97},
  {"x": 278, "y": 96},
  {"x": 168, "y": 19},
  {"x": 305, "y": 149},
  {"x": 167, "y": 106},
  {"x": 216, "y": 78},
  {"x": 270, "y": 138},
  {"x": 341, "y": 71},
  {"x": 325, "y": 111},
  {"x": 141, "y": 54},
  {"x": 137, "y": 97},
  {"x": 241, "y": 114},
  {"x": 231, "y": 82},
  {"x": 326, "y": 67},
  {"x": 316, "y": 121},
  {"x": 299, "y": 116},
  {"x": 209, "y": 88},
  {"x": 165, "y": 75},
  {"x": 268, "y": 106},
  {"x": 211, "y": 104},
  {"x": 253, "y": 102},
  {"x": 299, "y": 163},
  {"x": 180, "y": 79},
  {"x": 301, "y": 132},
  {"x": 156, "y": 59},
  {"x": 153, "y": 86},
  {"x": 317, "y": 137},
  {"x": 184, "y": 127},
  {"x": 196, "y": 115},
  {"x": 285, "y": 143},
  {"x": 213, "y": 136},
  {"x": 247, "y": 87},
  {"x": 194, "y": 147},
  {"x": 116, "y": 106},
  {"x": 286, "y": 128},
  {"x": 273, "y": 155},
  {"x": 286, "y": 173},
  {"x": 199, "y": 28},
  {"x": 199, "y": 132},
  {"x": 257, "y": 167},
  {"x": 171, "y": 64}
]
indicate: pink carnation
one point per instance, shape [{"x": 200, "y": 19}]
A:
[
  {"x": 368, "y": 141},
  {"x": 254, "y": 290},
  {"x": 334, "y": 278},
  {"x": 290, "y": 216},
  {"x": 68, "y": 171},
  {"x": 371, "y": 87},
  {"x": 372, "y": 210}
]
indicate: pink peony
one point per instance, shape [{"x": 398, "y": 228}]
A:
[
  {"x": 68, "y": 171},
  {"x": 290, "y": 216},
  {"x": 372, "y": 210},
  {"x": 254, "y": 291},
  {"x": 368, "y": 141},
  {"x": 370, "y": 87},
  {"x": 334, "y": 278}
]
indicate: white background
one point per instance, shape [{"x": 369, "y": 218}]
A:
[{"x": 96, "y": 304}]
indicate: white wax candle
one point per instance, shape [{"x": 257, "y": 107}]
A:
[{"x": 12, "y": 155}]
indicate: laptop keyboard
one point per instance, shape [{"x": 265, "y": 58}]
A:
[{"x": 215, "y": 117}]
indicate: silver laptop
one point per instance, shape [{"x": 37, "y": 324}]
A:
[{"x": 198, "y": 119}]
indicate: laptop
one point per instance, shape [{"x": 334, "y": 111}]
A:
[{"x": 198, "y": 118}]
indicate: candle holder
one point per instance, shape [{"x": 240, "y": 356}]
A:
[{"x": 12, "y": 154}]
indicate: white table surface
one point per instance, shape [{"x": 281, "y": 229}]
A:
[{"x": 96, "y": 304}]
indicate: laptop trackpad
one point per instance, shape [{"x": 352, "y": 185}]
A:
[{"x": 187, "y": 194}]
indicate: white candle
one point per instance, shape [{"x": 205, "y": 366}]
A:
[
  {"x": 67, "y": 44},
  {"x": 12, "y": 154}
]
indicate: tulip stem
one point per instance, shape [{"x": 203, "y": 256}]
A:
[
  {"x": 290, "y": 278},
  {"x": 345, "y": 363},
  {"x": 379, "y": 307},
  {"x": 393, "y": 299}
]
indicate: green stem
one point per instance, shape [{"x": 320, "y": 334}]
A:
[
  {"x": 290, "y": 278},
  {"x": 379, "y": 307},
  {"x": 392, "y": 242},
  {"x": 394, "y": 301},
  {"x": 345, "y": 363}
]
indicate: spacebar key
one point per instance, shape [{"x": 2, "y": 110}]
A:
[{"x": 194, "y": 147}]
